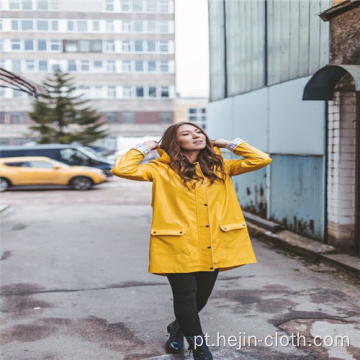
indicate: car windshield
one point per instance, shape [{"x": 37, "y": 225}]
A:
[{"x": 93, "y": 155}]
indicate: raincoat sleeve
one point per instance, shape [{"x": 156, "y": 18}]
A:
[
  {"x": 127, "y": 166},
  {"x": 254, "y": 158}
]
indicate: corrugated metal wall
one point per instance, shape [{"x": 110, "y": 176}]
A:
[
  {"x": 297, "y": 193},
  {"x": 217, "y": 49},
  {"x": 297, "y": 38},
  {"x": 290, "y": 42},
  {"x": 245, "y": 45}
]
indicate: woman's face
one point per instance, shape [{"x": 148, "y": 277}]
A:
[{"x": 190, "y": 137}]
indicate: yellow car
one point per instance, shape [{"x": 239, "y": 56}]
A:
[{"x": 40, "y": 170}]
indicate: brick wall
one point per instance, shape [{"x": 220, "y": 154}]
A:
[{"x": 341, "y": 166}]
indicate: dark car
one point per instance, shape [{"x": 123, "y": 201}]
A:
[{"x": 68, "y": 154}]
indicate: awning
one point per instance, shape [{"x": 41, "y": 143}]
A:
[{"x": 322, "y": 84}]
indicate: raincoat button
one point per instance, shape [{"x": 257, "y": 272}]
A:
[
  {"x": 211, "y": 268},
  {"x": 209, "y": 247},
  {"x": 154, "y": 232},
  {"x": 207, "y": 225},
  {"x": 205, "y": 204},
  {"x": 180, "y": 232},
  {"x": 225, "y": 228}
]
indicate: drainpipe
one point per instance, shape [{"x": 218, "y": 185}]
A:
[{"x": 326, "y": 161}]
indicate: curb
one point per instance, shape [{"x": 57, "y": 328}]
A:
[{"x": 309, "y": 248}]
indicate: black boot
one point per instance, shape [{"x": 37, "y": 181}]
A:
[
  {"x": 197, "y": 344},
  {"x": 175, "y": 343}
]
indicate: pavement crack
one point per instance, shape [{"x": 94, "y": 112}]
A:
[{"x": 111, "y": 286}]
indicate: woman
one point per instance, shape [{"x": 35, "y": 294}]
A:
[{"x": 198, "y": 228}]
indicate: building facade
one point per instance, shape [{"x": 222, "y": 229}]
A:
[
  {"x": 121, "y": 54},
  {"x": 262, "y": 56}
]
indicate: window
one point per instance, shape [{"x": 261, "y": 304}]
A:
[
  {"x": 140, "y": 91},
  {"x": 126, "y": 66},
  {"x": 17, "y": 94},
  {"x": 111, "y": 93},
  {"x": 151, "y": 6},
  {"x": 128, "y": 117},
  {"x": 29, "y": 65},
  {"x": 96, "y": 45},
  {"x": 14, "y": 25},
  {"x": 137, "y": 6},
  {"x": 138, "y": 25},
  {"x": 127, "y": 92},
  {"x": 125, "y": 5},
  {"x": 2, "y": 95},
  {"x": 74, "y": 157},
  {"x": 109, "y": 25},
  {"x": 84, "y": 65},
  {"x": 14, "y": 4},
  {"x": 164, "y": 66},
  {"x": 109, "y": 5},
  {"x": 54, "y": 25},
  {"x": 42, "y": 5},
  {"x": 98, "y": 65},
  {"x": 96, "y": 25},
  {"x": 151, "y": 46},
  {"x": 43, "y": 65},
  {"x": 42, "y": 25},
  {"x": 85, "y": 91},
  {"x": 72, "y": 65},
  {"x": 139, "y": 46},
  {"x": 27, "y": 4},
  {"x": 16, "y": 65},
  {"x": 126, "y": 46},
  {"x": 164, "y": 6},
  {"x": 70, "y": 25},
  {"x": 151, "y": 26},
  {"x": 164, "y": 27},
  {"x": 164, "y": 46},
  {"x": 151, "y": 66},
  {"x": 152, "y": 91},
  {"x": 110, "y": 66},
  {"x": 98, "y": 93},
  {"x": 164, "y": 92},
  {"x": 82, "y": 25},
  {"x": 15, "y": 45},
  {"x": 84, "y": 45},
  {"x": 165, "y": 117},
  {"x": 41, "y": 164},
  {"x": 2, "y": 117},
  {"x": 18, "y": 118},
  {"x": 26, "y": 25},
  {"x": 109, "y": 46},
  {"x": 55, "y": 67},
  {"x": 111, "y": 117},
  {"x": 55, "y": 45},
  {"x": 197, "y": 116},
  {"x": 42, "y": 45},
  {"x": 126, "y": 25},
  {"x": 139, "y": 66}
]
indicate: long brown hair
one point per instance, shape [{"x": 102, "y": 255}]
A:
[{"x": 208, "y": 159}]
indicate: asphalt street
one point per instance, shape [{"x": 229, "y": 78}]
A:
[{"x": 74, "y": 286}]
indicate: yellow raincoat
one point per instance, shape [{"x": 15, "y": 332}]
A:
[{"x": 194, "y": 230}]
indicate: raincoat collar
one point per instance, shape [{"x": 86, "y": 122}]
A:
[{"x": 165, "y": 157}]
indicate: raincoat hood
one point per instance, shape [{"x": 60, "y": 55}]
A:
[{"x": 165, "y": 157}]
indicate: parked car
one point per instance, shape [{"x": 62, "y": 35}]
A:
[
  {"x": 68, "y": 154},
  {"x": 40, "y": 170}
]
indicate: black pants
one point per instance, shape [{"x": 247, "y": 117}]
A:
[{"x": 191, "y": 292}]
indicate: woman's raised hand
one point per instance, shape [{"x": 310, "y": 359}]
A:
[
  {"x": 219, "y": 142},
  {"x": 151, "y": 144}
]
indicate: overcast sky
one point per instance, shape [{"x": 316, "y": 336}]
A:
[{"x": 192, "y": 47}]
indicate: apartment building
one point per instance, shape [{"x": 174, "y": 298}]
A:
[{"x": 121, "y": 54}]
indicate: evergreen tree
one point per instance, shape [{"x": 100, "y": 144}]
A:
[{"x": 63, "y": 117}]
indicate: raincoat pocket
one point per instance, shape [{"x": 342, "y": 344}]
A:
[
  {"x": 233, "y": 235},
  {"x": 167, "y": 241}
]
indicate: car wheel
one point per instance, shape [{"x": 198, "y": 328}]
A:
[
  {"x": 4, "y": 184},
  {"x": 81, "y": 183}
]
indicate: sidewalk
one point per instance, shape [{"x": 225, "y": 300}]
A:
[{"x": 302, "y": 245}]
